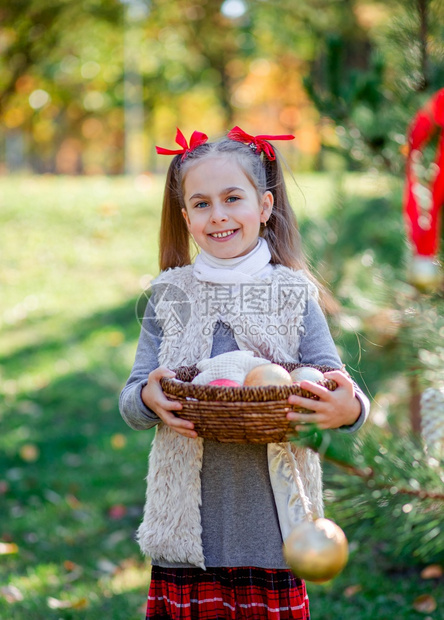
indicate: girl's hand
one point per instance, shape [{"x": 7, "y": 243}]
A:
[
  {"x": 332, "y": 410},
  {"x": 154, "y": 398}
]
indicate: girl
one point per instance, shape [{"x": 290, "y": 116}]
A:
[{"x": 216, "y": 513}]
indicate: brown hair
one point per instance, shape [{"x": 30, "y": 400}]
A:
[{"x": 281, "y": 233}]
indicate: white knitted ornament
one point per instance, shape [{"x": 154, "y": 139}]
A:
[
  {"x": 233, "y": 365},
  {"x": 432, "y": 420}
]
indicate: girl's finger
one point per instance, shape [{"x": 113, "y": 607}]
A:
[
  {"x": 183, "y": 424},
  {"x": 305, "y": 403},
  {"x": 177, "y": 423},
  {"x": 315, "y": 388},
  {"x": 161, "y": 371},
  {"x": 338, "y": 376},
  {"x": 189, "y": 434},
  {"x": 184, "y": 427},
  {"x": 171, "y": 405}
]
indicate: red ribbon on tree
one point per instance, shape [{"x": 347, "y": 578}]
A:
[
  {"x": 197, "y": 138},
  {"x": 258, "y": 143},
  {"x": 423, "y": 200}
]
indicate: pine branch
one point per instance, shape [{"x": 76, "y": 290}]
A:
[{"x": 369, "y": 474}]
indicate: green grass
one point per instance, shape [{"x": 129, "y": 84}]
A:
[{"x": 75, "y": 252}]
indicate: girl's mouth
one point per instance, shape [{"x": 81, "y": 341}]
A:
[{"x": 223, "y": 235}]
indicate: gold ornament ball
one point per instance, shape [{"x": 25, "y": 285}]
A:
[
  {"x": 316, "y": 550},
  {"x": 425, "y": 274},
  {"x": 268, "y": 374}
]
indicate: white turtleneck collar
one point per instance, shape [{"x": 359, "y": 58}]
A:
[{"x": 247, "y": 268}]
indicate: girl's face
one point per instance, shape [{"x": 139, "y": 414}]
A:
[{"x": 223, "y": 210}]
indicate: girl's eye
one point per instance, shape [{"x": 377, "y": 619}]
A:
[
  {"x": 232, "y": 198},
  {"x": 201, "y": 205}
]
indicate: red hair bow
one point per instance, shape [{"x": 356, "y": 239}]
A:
[
  {"x": 258, "y": 143},
  {"x": 197, "y": 138},
  {"x": 423, "y": 200}
]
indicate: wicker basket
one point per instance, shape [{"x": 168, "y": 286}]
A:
[{"x": 238, "y": 414}]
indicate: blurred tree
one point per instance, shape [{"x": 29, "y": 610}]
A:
[
  {"x": 54, "y": 79},
  {"x": 214, "y": 38},
  {"x": 367, "y": 83},
  {"x": 366, "y": 100},
  {"x": 212, "y": 63},
  {"x": 63, "y": 89},
  {"x": 372, "y": 74}
]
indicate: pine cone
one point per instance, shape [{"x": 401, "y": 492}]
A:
[{"x": 432, "y": 420}]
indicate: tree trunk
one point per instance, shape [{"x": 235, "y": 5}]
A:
[
  {"x": 423, "y": 6},
  {"x": 415, "y": 403}
]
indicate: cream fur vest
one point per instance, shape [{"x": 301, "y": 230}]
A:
[{"x": 266, "y": 318}]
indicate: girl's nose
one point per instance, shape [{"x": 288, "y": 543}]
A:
[{"x": 218, "y": 213}]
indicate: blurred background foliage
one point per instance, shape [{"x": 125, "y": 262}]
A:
[
  {"x": 91, "y": 86},
  {"x": 87, "y": 89}
]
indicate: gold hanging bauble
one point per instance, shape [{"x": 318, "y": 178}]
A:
[
  {"x": 316, "y": 550},
  {"x": 425, "y": 273}
]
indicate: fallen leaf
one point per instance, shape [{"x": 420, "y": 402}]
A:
[
  {"x": 73, "y": 502},
  {"x": 115, "y": 538},
  {"x": 142, "y": 609},
  {"x": 82, "y": 603},
  {"x": 424, "y": 603},
  {"x": 433, "y": 571},
  {"x": 118, "y": 441},
  {"x": 74, "y": 571},
  {"x": 106, "y": 566},
  {"x": 106, "y": 404},
  {"x": 352, "y": 590},
  {"x": 118, "y": 511},
  {"x": 129, "y": 575},
  {"x": 108, "y": 209},
  {"x": 11, "y": 594},
  {"x": 7, "y": 548},
  {"x": 55, "y": 603},
  {"x": 115, "y": 338},
  {"x": 52, "y": 496},
  {"x": 29, "y": 452}
]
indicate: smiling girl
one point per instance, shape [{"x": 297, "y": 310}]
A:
[{"x": 216, "y": 513}]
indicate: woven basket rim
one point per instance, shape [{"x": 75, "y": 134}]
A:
[{"x": 185, "y": 389}]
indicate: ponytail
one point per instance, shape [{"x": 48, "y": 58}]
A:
[
  {"x": 282, "y": 232},
  {"x": 174, "y": 242}
]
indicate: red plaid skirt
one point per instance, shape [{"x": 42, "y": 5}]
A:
[{"x": 245, "y": 593}]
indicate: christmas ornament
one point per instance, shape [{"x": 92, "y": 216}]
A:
[
  {"x": 424, "y": 194},
  {"x": 268, "y": 374},
  {"x": 316, "y": 550},
  {"x": 432, "y": 420},
  {"x": 424, "y": 273},
  {"x": 232, "y": 366},
  {"x": 306, "y": 373},
  {"x": 225, "y": 383}
]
